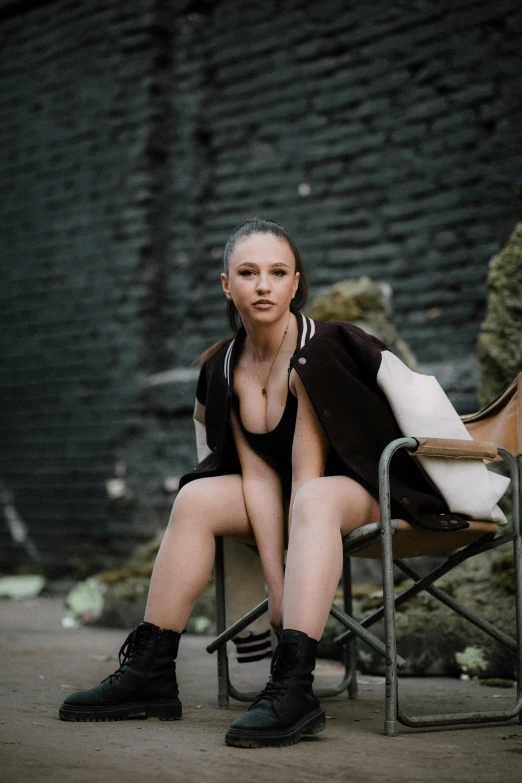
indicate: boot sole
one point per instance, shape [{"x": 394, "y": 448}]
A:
[
  {"x": 312, "y": 723},
  {"x": 167, "y": 710}
]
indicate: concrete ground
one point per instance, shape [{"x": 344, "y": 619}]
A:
[{"x": 42, "y": 662}]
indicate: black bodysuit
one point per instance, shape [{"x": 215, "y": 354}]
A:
[{"x": 276, "y": 445}]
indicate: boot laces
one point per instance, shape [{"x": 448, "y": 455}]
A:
[
  {"x": 280, "y": 670},
  {"x": 130, "y": 647}
]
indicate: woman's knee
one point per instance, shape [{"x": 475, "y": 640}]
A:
[
  {"x": 186, "y": 495},
  {"x": 190, "y": 501},
  {"x": 311, "y": 502},
  {"x": 216, "y": 504},
  {"x": 333, "y": 500}
]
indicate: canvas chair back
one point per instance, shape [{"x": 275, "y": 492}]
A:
[{"x": 500, "y": 422}]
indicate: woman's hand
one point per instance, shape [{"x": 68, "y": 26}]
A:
[{"x": 275, "y": 609}]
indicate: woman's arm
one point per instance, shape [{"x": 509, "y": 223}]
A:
[
  {"x": 310, "y": 447},
  {"x": 264, "y": 504}
]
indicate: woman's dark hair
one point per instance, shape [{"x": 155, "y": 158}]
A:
[{"x": 252, "y": 226}]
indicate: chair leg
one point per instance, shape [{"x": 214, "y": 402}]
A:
[
  {"x": 222, "y": 655},
  {"x": 390, "y": 719},
  {"x": 349, "y": 681},
  {"x": 219, "y": 645},
  {"x": 392, "y": 693},
  {"x": 475, "y": 718},
  {"x": 517, "y": 562},
  {"x": 350, "y": 649}
]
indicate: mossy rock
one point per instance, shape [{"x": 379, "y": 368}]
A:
[
  {"x": 144, "y": 555},
  {"x": 117, "y": 575},
  {"x": 429, "y": 635},
  {"x": 497, "y": 682},
  {"x": 504, "y": 568},
  {"x": 367, "y": 304},
  {"x": 500, "y": 338},
  {"x": 116, "y": 598}
]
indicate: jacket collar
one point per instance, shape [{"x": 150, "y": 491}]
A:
[{"x": 305, "y": 332}]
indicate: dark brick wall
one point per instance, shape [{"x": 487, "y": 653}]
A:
[
  {"x": 134, "y": 136},
  {"x": 404, "y": 122},
  {"x": 76, "y": 117}
]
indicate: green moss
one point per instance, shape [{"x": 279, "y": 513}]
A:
[
  {"x": 349, "y": 300},
  {"x": 499, "y": 344},
  {"x": 497, "y": 682},
  {"x": 504, "y": 568},
  {"x": 117, "y": 575},
  {"x": 363, "y": 590}
]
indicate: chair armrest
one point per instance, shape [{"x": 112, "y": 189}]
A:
[{"x": 457, "y": 449}]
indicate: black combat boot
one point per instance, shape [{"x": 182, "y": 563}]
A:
[
  {"x": 143, "y": 687},
  {"x": 287, "y": 708}
]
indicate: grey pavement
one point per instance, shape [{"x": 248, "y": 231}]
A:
[{"x": 42, "y": 662}]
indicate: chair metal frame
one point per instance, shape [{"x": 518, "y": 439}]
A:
[
  {"x": 383, "y": 531},
  {"x": 225, "y": 687},
  {"x": 393, "y": 712}
]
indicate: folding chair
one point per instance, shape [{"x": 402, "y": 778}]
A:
[{"x": 497, "y": 433}]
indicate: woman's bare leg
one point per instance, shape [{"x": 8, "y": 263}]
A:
[
  {"x": 204, "y": 508},
  {"x": 324, "y": 510}
]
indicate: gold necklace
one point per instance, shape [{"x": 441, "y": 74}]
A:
[{"x": 252, "y": 349}]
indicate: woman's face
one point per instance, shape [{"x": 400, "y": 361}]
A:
[{"x": 261, "y": 279}]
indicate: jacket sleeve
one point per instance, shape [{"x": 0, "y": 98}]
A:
[
  {"x": 202, "y": 447},
  {"x": 422, "y": 409}
]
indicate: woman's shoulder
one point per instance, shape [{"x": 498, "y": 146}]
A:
[
  {"x": 344, "y": 333},
  {"x": 340, "y": 345}
]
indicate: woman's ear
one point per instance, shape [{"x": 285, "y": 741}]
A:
[
  {"x": 224, "y": 283},
  {"x": 296, "y": 283}
]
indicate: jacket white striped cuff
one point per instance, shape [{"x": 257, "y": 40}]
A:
[{"x": 253, "y": 647}]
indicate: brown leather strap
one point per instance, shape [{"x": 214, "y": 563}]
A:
[{"x": 457, "y": 449}]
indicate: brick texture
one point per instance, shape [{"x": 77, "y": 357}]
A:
[
  {"x": 135, "y": 136},
  {"x": 76, "y": 120}
]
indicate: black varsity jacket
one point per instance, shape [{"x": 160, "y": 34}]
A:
[{"x": 338, "y": 365}]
